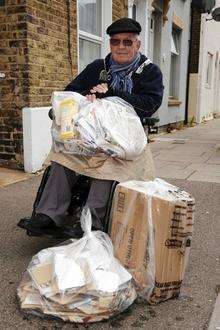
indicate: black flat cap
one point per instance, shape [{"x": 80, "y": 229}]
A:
[{"x": 124, "y": 25}]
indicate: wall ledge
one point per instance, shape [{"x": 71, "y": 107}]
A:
[{"x": 174, "y": 103}]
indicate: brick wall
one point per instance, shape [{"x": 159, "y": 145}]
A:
[
  {"x": 38, "y": 54},
  {"x": 52, "y": 45},
  {"x": 14, "y": 88},
  {"x": 119, "y": 9}
]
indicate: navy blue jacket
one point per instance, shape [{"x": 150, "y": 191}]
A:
[{"x": 147, "y": 92}]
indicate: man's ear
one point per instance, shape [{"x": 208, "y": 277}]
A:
[{"x": 139, "y": 44}]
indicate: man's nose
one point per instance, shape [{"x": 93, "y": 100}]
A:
[{"x": 121, "y": 45}]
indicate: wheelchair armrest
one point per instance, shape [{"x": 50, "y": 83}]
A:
[{"x": 149, "y": 121}]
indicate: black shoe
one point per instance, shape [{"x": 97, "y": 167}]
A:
[
  {"x": 51, "y": 230},
  {"x": 35, "y": 227},
  {"x": 40, "y": 220}
]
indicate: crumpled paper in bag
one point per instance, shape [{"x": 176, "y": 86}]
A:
[
  {"x": 109, "y": 125},
  {"x": 80, "y": 281}
]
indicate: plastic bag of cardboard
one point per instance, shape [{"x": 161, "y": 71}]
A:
[
  {"x": 78, "y": 281},
  {"x": 156, "y": 219},
  {"x": 108, "y": 125}
]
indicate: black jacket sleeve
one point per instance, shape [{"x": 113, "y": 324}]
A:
[
  {"x": 87, "y": 79},
  {"x": 79, "y": 84},
  {"x": 147, "y": 93}
]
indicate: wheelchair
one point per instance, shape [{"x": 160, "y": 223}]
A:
[{"x": 79, "y": 196}]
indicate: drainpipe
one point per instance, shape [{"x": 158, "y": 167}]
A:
[
  {"x": 199, "y": 111},
  {"x": 69, "y": 43},
  {"x": 188, "y": 67},
  {"x": 2, "y": 76}
]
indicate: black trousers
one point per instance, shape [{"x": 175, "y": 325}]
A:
[{"x": 56, "y": 196}]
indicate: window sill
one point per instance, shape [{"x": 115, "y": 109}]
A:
[{"x": 174, "y": 103}]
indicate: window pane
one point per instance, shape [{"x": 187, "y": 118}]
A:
[
  {"x": 175, "y": 63},
  {"x": 172, "y": 76},
  {"x": 90, "y": 13},
  {"x": 88, "y": 52},
  {"x": 174, "y": 43}
]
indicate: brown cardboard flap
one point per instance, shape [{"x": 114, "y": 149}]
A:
[{"x": 42, "y": 274}]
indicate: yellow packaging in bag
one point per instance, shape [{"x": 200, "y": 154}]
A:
[{"x": 68, "y": 111}]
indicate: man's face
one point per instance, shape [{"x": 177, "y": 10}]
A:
[{"x": 124, "y": 47}]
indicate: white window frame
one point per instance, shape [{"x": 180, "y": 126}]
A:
[{"x": 103, "y": 41}]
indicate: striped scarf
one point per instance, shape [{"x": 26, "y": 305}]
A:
[{"x": 121, "y": 74}]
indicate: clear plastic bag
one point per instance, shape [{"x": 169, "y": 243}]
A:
[
  {"x": 151, "y": 230},
  {"x": 108, "y": 125},
  {"x": 79, "y": 281}
]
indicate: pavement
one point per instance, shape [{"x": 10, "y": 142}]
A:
[
  {"x": 191, "y": 154},
  {"x": 8, "y": 176},
  {"x": 188, "y": 158}
]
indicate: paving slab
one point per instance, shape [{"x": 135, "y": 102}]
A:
[
  {"x": 8, "y": 176},
  {"x": 171, "y": 139},
  {"x": 173, "y": 172},
  {"x": 200, "y": 175},
  {"x": 204, "y": 132},
  {"x": 161, "y": 145},
  {"x": 181, "y": 157},
  {"x": 204, "y": 167},
  {"x": 186, "y": 152},
  {"x": 191, "y": 154},
  {"x": 174, "y": 165},
  {"x": 214, "y": 159}
]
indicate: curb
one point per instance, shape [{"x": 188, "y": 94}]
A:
[{"x": 8, "y": 176}]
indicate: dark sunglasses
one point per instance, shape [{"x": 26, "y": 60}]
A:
[{"x": 125, "y": 42}]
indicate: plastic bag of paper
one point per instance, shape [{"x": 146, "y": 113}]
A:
[
  {"x": 151, "y": 230},
  {"x": 79, "y": 281},
  {"x": 108, "y": 125}
]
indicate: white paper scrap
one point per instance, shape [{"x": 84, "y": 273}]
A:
[
  {"x": 106, "y": 281},
  {"x": 68, "y": 273}
]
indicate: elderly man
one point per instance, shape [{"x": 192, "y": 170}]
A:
[{"x": 125, "y": 73}]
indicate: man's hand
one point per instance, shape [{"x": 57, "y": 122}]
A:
[{"x": 101, "y": 89}]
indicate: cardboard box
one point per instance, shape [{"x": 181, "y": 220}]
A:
[{"x": 151, "y": 229}]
